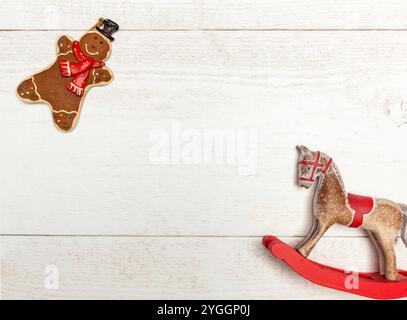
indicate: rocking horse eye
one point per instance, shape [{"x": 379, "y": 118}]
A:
[{"x": 101, "y": 42}]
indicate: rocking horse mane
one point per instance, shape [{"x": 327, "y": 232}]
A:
[
  {"x": 335, "y": 170},
  {"x": 404, "y": 229}
]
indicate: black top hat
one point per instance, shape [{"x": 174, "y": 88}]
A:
[{"x": 107, "y": 27}]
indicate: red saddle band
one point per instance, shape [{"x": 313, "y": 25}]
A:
[{"x": 361, "y": 206}]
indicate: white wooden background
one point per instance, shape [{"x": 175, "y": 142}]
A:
[{"x": 328, "y": 74}]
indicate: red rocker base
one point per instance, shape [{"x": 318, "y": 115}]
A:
[{"x": 371, "y": 285}]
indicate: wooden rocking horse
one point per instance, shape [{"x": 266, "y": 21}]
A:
[{"x": 383, "y": 220}]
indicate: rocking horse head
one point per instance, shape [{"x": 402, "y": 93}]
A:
[{"x": 311, "y": 165}]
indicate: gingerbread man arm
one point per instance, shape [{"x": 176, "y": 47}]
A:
[
  {"x": 100, "y": 76},
  {"x": 64, "y": 45}
]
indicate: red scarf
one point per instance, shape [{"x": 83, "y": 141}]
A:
[{"x": 78, "y": 70}]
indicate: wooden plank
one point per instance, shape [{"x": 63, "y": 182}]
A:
[
  {"x": 210, "y": 14},
  {"x": 162, "y": 268},
  {"x": 341, "y": 92}
]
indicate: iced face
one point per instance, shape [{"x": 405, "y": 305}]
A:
[{"x": 95, "y": 45}]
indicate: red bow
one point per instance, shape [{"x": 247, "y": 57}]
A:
[{"x": 78, "y": 70}]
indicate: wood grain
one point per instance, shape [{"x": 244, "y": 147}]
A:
[
  {"x": 208, "y": 14},
  {"x": 176, "y": 268},
  {"x": 327, "y": 74},
  {"x": 334, "y": 91}
]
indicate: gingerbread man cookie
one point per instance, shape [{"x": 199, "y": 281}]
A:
[{"x": 79, "y": 66}]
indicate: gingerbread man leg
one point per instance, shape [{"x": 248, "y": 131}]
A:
[
  {"x": 64, "y": 120},
  {"x": 27, "y": 91}
]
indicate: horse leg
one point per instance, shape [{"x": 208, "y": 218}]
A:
[
  {"x": 313, "y": 230},
  {"x": 382, "y": 264},
  {"x": 307, "y": 247},
  {"x": 386, "y": 241}
]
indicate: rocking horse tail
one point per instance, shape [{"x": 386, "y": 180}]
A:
[{"x": 404, "y": 228}]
